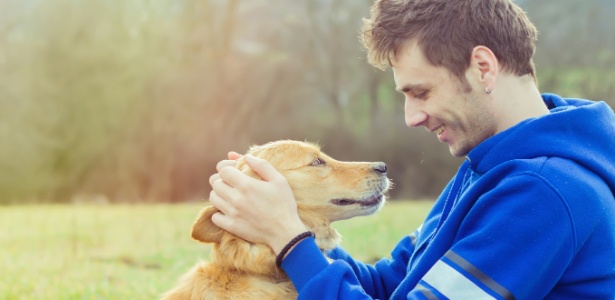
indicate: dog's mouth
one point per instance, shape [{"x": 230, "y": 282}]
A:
[{"x": 367, "y": 202}]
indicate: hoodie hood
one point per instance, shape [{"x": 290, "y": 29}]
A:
[{"x": 576, "y": 129}]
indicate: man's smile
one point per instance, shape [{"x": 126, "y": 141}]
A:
[{"x": 440, "y": 129}]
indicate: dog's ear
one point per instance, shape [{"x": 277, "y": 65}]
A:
[{"x": 204, "y": 229}]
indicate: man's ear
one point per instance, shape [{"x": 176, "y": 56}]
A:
[
  {"x": 204, "y": 229},
  {"x": 486, "y": 65}
]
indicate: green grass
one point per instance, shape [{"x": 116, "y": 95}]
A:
[{"x": 138, "y": 251}]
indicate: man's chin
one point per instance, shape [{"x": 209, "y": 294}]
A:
[{"x": 458, "y": 151}]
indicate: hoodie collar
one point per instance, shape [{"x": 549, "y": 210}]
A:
[{"x": 576, "y": 129}]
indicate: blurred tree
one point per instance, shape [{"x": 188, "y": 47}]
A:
[
  {"x": 137, "y": 100},
  {"x": 575, "y": 47},
  {"x": 74, "y": 70}
]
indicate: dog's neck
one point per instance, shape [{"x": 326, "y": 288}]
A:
[
  {"x": 326, "y": 237},
  {"x": 240, "y": 255}
]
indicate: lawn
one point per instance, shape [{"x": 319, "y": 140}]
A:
[{"x": 139, "y": 251}]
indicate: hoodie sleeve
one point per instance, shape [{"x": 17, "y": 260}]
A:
[{"x": 345, "y": 278}]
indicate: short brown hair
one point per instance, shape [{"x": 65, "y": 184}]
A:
[{"x": 447, "y": 31}]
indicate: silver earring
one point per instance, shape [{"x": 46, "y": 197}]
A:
[{"x": 487, "y": 90}]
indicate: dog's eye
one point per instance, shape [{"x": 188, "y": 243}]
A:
[{"x": 318, "y": 162}]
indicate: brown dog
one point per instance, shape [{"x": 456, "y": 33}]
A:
[{"x": 326, "y": 190}]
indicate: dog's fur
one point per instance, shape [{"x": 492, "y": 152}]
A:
[{"x": 325, "y": 189}]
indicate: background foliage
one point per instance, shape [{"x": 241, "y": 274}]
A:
[{"x": 135, "y": 101}]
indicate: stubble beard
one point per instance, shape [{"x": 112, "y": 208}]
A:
[{"x": 476, "y": 128}]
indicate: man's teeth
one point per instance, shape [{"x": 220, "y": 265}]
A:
[{"x": 440, "y": 130}]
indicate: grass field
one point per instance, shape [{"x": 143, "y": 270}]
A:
[{"x": 138, "y": 251}]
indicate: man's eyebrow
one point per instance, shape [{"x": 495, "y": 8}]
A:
[{"x": 410, "y": 87}]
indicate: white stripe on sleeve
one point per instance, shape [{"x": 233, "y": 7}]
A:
[{"x": 452, "y": 284}]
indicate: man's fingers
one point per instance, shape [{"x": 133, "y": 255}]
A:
[
  {"x": 234, "y": 225},
  {"x": 235, "y": 178},
  {"x": 219, "y": 203},
  {"x": 226, "y": 163},
  {"x": 213, "y": 179},
  {"x": 234, "y": 155},
  {"x": 232, "y": 161},
  {"x": 223, "y": 190},
  {"x": 263, "y": 168},
  {"x": 221, "y": 220}
]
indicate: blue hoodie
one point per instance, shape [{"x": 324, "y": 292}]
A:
[{"x": 529, "y": 215}]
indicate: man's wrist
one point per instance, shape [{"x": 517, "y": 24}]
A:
[
  {"x": 290, "y": 245},
  {"x": 282, "y": 241}
]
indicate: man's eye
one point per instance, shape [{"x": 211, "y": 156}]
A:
[
  {"x": 421, "y": 95},
  {"x": 318, "y": 162}
]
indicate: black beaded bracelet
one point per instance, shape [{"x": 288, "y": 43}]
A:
[{"x": 293, "y": 242}]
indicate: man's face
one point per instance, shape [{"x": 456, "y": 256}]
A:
[{"x": 435, "y": 99}]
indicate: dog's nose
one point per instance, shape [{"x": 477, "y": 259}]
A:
[{"x": 380, "y": 168}]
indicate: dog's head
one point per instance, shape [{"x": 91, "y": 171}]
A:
[{"x": 326, "y": 190}]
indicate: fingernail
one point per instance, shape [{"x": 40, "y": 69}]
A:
[{"x": 250, "y": 158}]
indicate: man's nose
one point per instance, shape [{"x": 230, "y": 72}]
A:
[{"x": 415, "y": 118}]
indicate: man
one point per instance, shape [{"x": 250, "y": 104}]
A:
[{"x": 529, "y": 215}]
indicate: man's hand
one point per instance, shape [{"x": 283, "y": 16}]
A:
[{"x": 258, "y": 211}]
